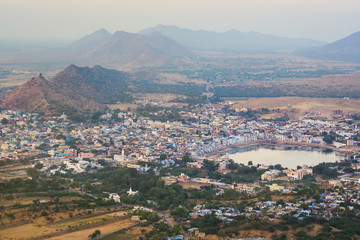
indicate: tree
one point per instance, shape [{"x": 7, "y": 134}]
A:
[
  {"x": 39, "y": 166},
  {"x": 209, "y": 224},
  {"x": 186, "y": 158},
  {"x": 102, "y": 162},
  {"x": 250, "y": 163},
  {"x": 94, "y": 234},
  {"x": 329, "y": 138},
  {"x": 180, "y": 212},
  {"x": 4, "y": 121},
  {"x": 44, "y": 214},
  {"x": 230, "y": 194},
  {"x": 278, "y": 167},
  {"x": 210, "y": 165},
  {"x": 176, "y": 230},
  {"x": 281, "y": 237},
  {"x": 280, "y": 202},
  {"x": 301, "y": 235},
  {"x": 163, "y": 156},
  {"x": 232, "y": 165},
  {"x": 34, "y": 173},
  {"x": 96, "y": 116}
]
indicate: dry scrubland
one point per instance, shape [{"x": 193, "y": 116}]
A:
[
  {"x": 131, "y": 234},
  {"x": 145, "y": 97},
  {"x": 13, "y": 171},
  {"x": 30, "y": 200},
  {"x": 122, "y": 106},
  {"x": 104, "y": 229},
  {"x": 166, "y": 97},
  {"x": 40, "y": 226},
  {"x": 172, "y": 78},
  {"x": 13, "y": 81},
  {"x": 299, "y": 106}
]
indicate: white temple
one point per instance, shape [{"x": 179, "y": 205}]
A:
[{"x": 131, "y": 192}]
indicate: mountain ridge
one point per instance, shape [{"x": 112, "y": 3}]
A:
[
  {"x": 231, "y": 40},
  {"x": 120, "y": 49}
]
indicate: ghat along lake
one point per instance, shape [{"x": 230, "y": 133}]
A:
[{"x": 287, "y": 156}]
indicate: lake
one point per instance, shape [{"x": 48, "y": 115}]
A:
[{"x": 287, "y": 156}]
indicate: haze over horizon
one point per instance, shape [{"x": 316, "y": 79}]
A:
[{"x": 328, "y": 20}]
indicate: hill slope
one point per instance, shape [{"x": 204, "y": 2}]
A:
[
  {"x": 97, "y": 84},
  {"x": 75, "y": 91},
  {"x": 40, "y": 95},
  {"x": 346, "y": 49}
]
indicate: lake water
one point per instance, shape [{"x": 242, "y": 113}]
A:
[{"x": 287, "y": 156}]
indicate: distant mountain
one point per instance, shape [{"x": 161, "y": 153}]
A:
[
  {"x": 90, "y": 41},
  {"x": 232, "y": 40},
  {"x": 346, "y": 49},
  {"x": 121, "y": 49},
  {"x": 75, "y": 91}
]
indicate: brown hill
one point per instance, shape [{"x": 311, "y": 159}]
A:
[
  {"x": 31, "y": 97},
  {"x": 41, "y": 95},
  {"x": 75, "y": 91},
  {"x": 84, "y": 90},
  {"x": 97, "y": 84}
]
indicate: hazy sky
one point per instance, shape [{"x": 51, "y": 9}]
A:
[{"x": 326, "y": 20}]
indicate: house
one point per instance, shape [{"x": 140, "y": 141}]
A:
[
  {"x": 169, "y": 180},
  {"x": 83, "y": 155},
  {"x": 275, "y": 187},
  {"x": 355, "y": 166},
  {"x": 299, "y": 173},
  {"x": 183, "y": 178},
  {"x": 71, "y": 153},
  {"x": 350, "y": 142},
  {"x": 294, "y": 174},
  {"x": 115, "y": 197},
  {"x": 270, "y": 175}
]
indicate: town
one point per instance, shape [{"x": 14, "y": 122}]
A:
[{"x": 187, "y": 146}]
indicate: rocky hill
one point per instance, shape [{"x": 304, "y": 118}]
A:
[
  {"x": 97, "y": 84},
  {"x": 84, "y": 90},
  {"x": 42, "y": 96},
  {"x": 75, "y": 91}
]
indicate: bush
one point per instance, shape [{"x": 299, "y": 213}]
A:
[{"x": 44, "y": 214}]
